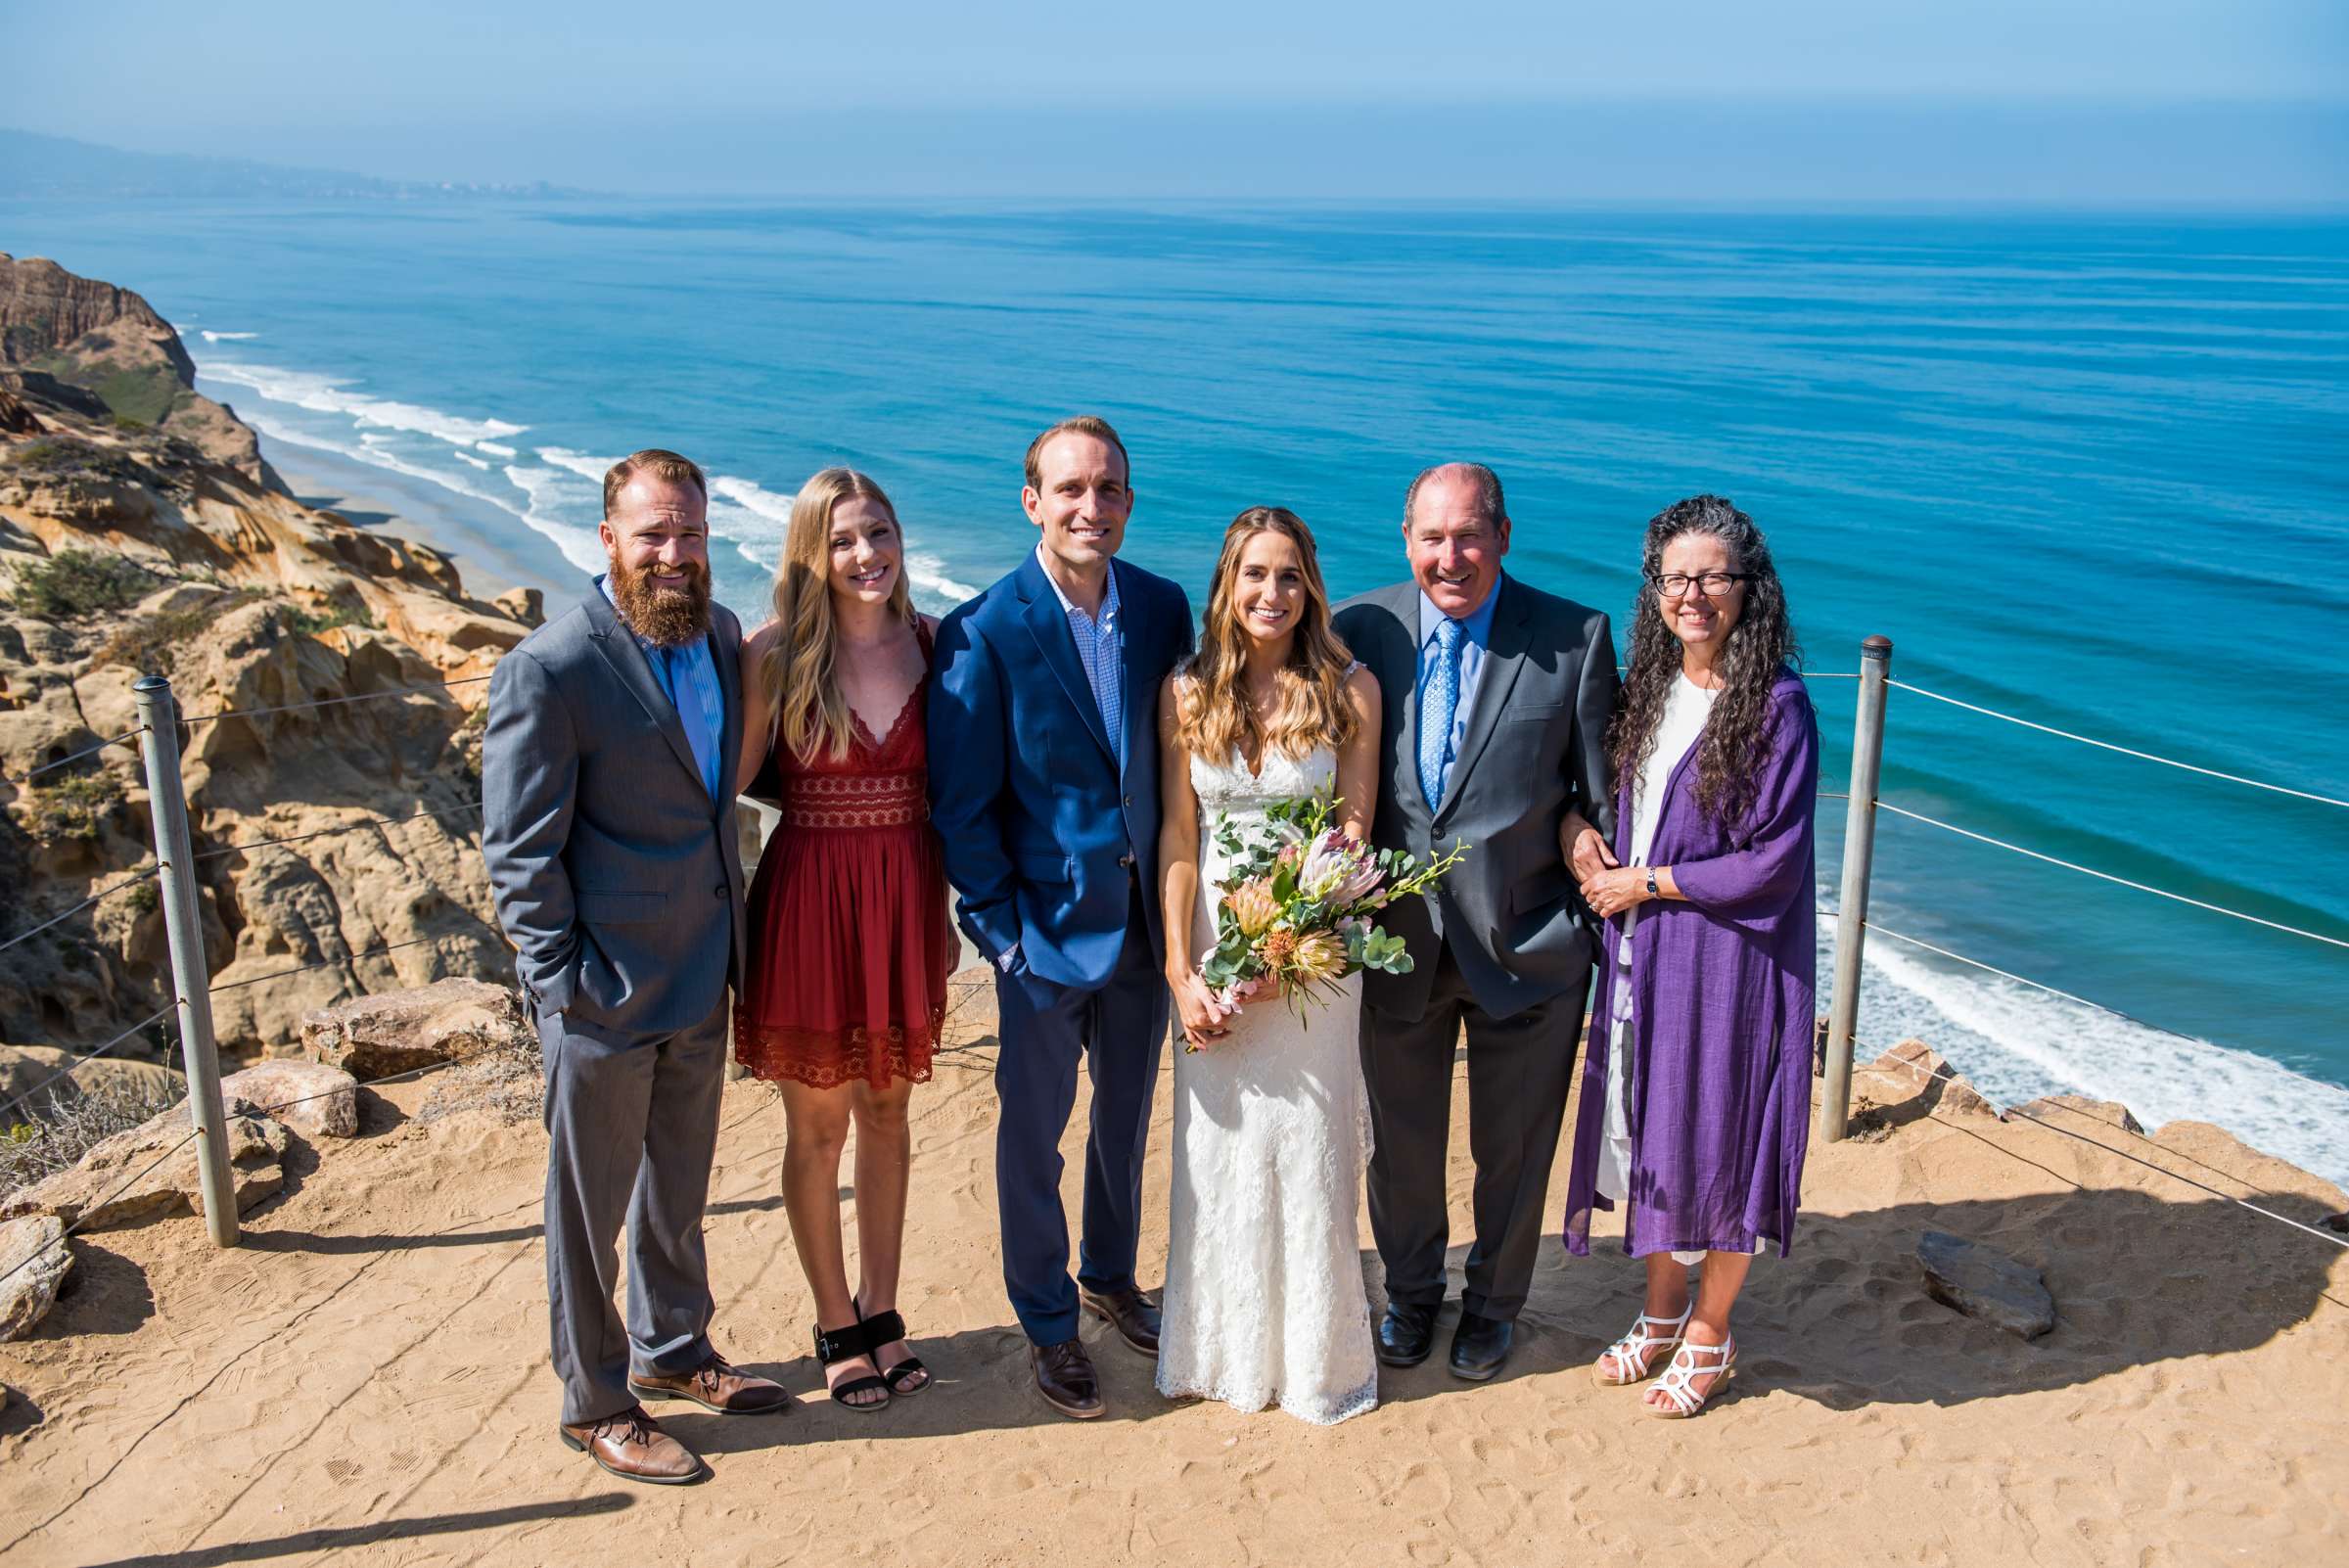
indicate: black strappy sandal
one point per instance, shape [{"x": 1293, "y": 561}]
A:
[
  {"x": 881, "y": 1330},
  {"x": 846, "y": 1344}
]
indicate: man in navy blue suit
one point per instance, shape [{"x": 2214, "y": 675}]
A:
[{"x": 1043, "y": 788}]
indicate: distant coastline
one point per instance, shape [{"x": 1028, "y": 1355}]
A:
[{"x": 36, "y": 168}]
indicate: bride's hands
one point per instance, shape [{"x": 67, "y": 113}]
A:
[{"x": 1202, "y": 1017}]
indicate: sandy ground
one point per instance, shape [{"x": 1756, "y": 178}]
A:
[{"x": 367, "y": 1376}]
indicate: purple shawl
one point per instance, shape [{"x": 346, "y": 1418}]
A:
[{"x": 1721, "y": 1013}]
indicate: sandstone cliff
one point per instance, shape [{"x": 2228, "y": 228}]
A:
[
  {"x": 109, "y": 344},
  {"x": 131, "y": 545}
]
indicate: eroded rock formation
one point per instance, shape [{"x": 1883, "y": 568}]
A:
[
  {"x": 129, "y": 547},
  {"x": 110, "y": 343}
]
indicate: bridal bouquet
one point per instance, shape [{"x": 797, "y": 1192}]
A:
[{"x": 1296, "y": 909}]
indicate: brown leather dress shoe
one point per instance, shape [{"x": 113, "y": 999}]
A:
[
  {"x": 1134, "y": 1314},
  {"x": 1065, "y": 1376},
  {"x": 630, "y": 1446},
  {"x": 715, "y": 1385}
]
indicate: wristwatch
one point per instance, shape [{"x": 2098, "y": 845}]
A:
[{"x": 1652, "y": 884}]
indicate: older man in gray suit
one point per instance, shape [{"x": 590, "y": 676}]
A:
[
  {"x": 1497, "y": 701},
  {"x": 607, "y": 824}
]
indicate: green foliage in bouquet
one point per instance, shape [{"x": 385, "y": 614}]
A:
[{"x": 1297, "y": 901}]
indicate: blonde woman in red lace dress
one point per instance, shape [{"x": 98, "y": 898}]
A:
[{"x": 848, "y": 936}]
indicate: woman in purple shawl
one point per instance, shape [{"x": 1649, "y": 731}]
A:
[{"x": 1696, "y": 1087}]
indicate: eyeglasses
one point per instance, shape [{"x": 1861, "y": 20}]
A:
[{"x": 1712, "y": 584}]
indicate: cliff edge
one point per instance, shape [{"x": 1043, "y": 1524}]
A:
[{"x": 141, "y": 532}]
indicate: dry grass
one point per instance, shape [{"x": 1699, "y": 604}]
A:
[{"x": 67, "y": 1122}]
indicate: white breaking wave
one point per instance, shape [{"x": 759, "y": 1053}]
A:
[
  {"x": 581, "y": 550},
  {"x": 329, "y": 394},
  {"x": 227, "y": 336},
  {"x": 753, "y": 499},
  {"x": 743, "y": 512},
  {"x": 558, "y": 513},
  {"x": 755, "y": 519},
  {"x": 928, "y": 572},
  {"x": 2016, "y": 1044},
  {"x": 580, "y": 462}
]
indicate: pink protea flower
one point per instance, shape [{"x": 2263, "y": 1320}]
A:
[
  {"x": 1338, "y": 870},
  {"x": 1323, "y": 866}
]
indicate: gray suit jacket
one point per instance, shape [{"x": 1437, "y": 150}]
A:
[
  {"x": 616, "y": 878},
  {"x": 1536, "y": 745}
]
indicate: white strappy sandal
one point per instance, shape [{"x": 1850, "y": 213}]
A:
[
  {"x": 1681, "y": 1400},
  {"x": 1636, "y": 1352}
]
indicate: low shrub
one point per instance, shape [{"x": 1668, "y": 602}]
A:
[
  {"x": 78, "y": 582},
  {"x": 68, "y": 1122},
  {"x": 310, "y": 623},
  {"x": 150, "y": 643},
  {"x": 76, "y": 807},
  {"x": 62, "y": 458}
]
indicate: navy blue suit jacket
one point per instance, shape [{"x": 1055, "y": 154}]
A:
[{"x": 1044, "y": 832}]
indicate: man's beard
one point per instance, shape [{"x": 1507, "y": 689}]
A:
[{"x": 670, "y": 617}]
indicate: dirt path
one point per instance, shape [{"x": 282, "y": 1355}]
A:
[{"x": 367, "y": 1376}]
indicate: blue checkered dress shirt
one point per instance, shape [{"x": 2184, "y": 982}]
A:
[{"x": 1101, "y": 650}]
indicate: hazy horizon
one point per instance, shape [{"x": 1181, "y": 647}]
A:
[{"x": 2163, "y": 103}]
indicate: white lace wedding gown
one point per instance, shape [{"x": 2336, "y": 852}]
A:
[{"x": 1265, "y": 1301}]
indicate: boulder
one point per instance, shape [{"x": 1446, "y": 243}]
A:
[
  {"x": 86, "y": 1196},
  {"x": 307, "y": 1096},
  {"x": 400, "y": 1030},
  {"x": 15, "y": 418},
  {"x": 35, "y": 1260},
  {"x": 2068, "y": 1108},
  {"x": 1913, "y": 1068},
  {"x": 24, "y": 1067},
  {"x": 1983, "y": 1282},
  {"x": 525, "y": 605}
]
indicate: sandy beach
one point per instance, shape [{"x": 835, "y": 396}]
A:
[
  {"x": 493, "y": 553},
  {"x": 367, "y": 1374}
]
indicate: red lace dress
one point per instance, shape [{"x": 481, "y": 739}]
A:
[{"x": 849, "y": 942}]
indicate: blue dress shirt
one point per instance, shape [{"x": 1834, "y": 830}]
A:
[
  {"x": 1477, "y": 635},
  {"x": 689, "y": 676}
]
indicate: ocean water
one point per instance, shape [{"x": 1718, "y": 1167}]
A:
[{"x": 2087, "y": 471}]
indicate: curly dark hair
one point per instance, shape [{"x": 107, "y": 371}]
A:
[{"x": 1763, "y": 642}]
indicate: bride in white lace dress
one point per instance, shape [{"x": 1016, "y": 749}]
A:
[{"x": 1265, "y": 1303}]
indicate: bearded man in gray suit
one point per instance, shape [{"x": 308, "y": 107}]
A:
[
  {"x": 1497, "y": 702},
  {"x": 607, "y": 825}
]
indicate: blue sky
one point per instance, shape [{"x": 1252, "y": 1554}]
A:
[{"x": 1784, "y": 100}]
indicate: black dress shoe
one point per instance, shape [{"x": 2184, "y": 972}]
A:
[
  {"x": 1406, "y": 1333},
  {"x": 1064, "y": 1376},
  {"x": 1480, "y": 1345},
  {"x": 1132, "y": 1313}
]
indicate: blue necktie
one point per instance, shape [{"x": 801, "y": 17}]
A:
[{"x": 1438, "y": 701}]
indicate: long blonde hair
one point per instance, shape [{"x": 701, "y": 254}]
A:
[
  {"x": 1213, "y": 718},
  {"x": 800, "y": 671}
]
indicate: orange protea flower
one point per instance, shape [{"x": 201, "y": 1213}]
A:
[
  {"x": 1280, "y": 949},
  {"x": 1319, "y": 956},
  {"x": 1252, "y": 904}
]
